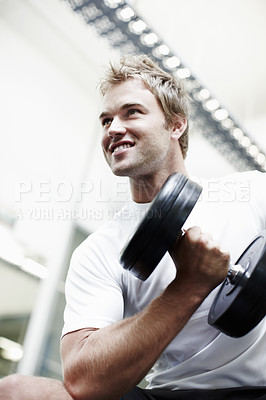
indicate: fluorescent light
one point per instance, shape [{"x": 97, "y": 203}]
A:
[
  {"x": 183, "y": 73},
  {"x": 237, "y": 133},
  {"x": 227, "y": 123},
  {"x": 34, "y": 268},
  {"x": 211, "y": 105},
  {"x": 172, "y": 62},
  {"x": 161, "y": 51},
  {"x": 125, "y": 14},
  {"x": 221, "y": 114},
  {"x": 253, "y": 150},
  {"x": 260, "y": 158},
  {"x": 245, "y": 141},
  {"x": 149, "y": 39},
  {"x": 10, "y": 350},
  {"x": 137, "y": 27},
  {"x": 112, "y": 3}
]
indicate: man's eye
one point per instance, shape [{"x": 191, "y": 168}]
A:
[
  {"x": 106, "y": 121},
  {"x": 132, "y": 111}
]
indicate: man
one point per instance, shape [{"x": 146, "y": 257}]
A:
[{"x": 119, "y": 329}]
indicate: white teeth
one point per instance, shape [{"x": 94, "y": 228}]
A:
[{"x": 122, "y": 146}]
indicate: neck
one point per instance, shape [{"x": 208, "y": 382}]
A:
[{"x": 144, "y": 188}]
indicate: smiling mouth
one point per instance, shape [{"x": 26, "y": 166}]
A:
[{"x": 121, "y": 147}]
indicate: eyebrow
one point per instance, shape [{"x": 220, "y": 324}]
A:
[
  {"x": 123, "y": 107},
  {"x": 103, "y": 114}
]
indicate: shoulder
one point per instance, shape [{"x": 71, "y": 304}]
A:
[
  {"x": 254, "y": 183},
  {"x": 247, "y": 176},
  {"x": 103, "y": 246},
  {"x": 238, "y": 186}
]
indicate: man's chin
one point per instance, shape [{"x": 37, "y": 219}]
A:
[{"x": 121, "y": 172}]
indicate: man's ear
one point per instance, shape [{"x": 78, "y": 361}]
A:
[{"x": 179, "y": 127}]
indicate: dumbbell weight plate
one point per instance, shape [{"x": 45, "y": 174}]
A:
[
  {"x": 239, "y": 307},
  {"x": 160, "y": 226}
]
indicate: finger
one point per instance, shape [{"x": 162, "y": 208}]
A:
[
  {"x": 193, "y": 233},
  {"x": 207, "y": 238}
]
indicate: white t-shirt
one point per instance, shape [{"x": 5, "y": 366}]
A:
[{"x": 100, "y": 292}]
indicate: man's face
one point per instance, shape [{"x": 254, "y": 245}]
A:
[{"x": 136, "y": 141}]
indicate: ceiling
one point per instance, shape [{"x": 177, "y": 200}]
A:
[{"x": 223, "y": 43}]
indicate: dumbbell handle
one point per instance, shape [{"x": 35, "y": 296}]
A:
[{"x": 235, "y": 272}]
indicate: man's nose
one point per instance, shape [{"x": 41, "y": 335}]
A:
[{"x": 116, "y": 128}]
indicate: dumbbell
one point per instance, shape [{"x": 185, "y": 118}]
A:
[{"x": 241, "y": 300}]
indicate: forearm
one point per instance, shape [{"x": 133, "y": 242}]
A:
[{"x": 112, "y": 360}]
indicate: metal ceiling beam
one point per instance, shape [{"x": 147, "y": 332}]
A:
[{"x": 119, "y": 23}]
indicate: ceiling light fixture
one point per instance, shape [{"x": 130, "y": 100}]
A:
[{"x": 119, "y": 23}]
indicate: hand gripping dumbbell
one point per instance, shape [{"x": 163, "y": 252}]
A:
[{"x": 241, "y": 301}]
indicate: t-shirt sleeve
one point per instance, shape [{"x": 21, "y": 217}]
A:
[{"x": 93, "y": 290}]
